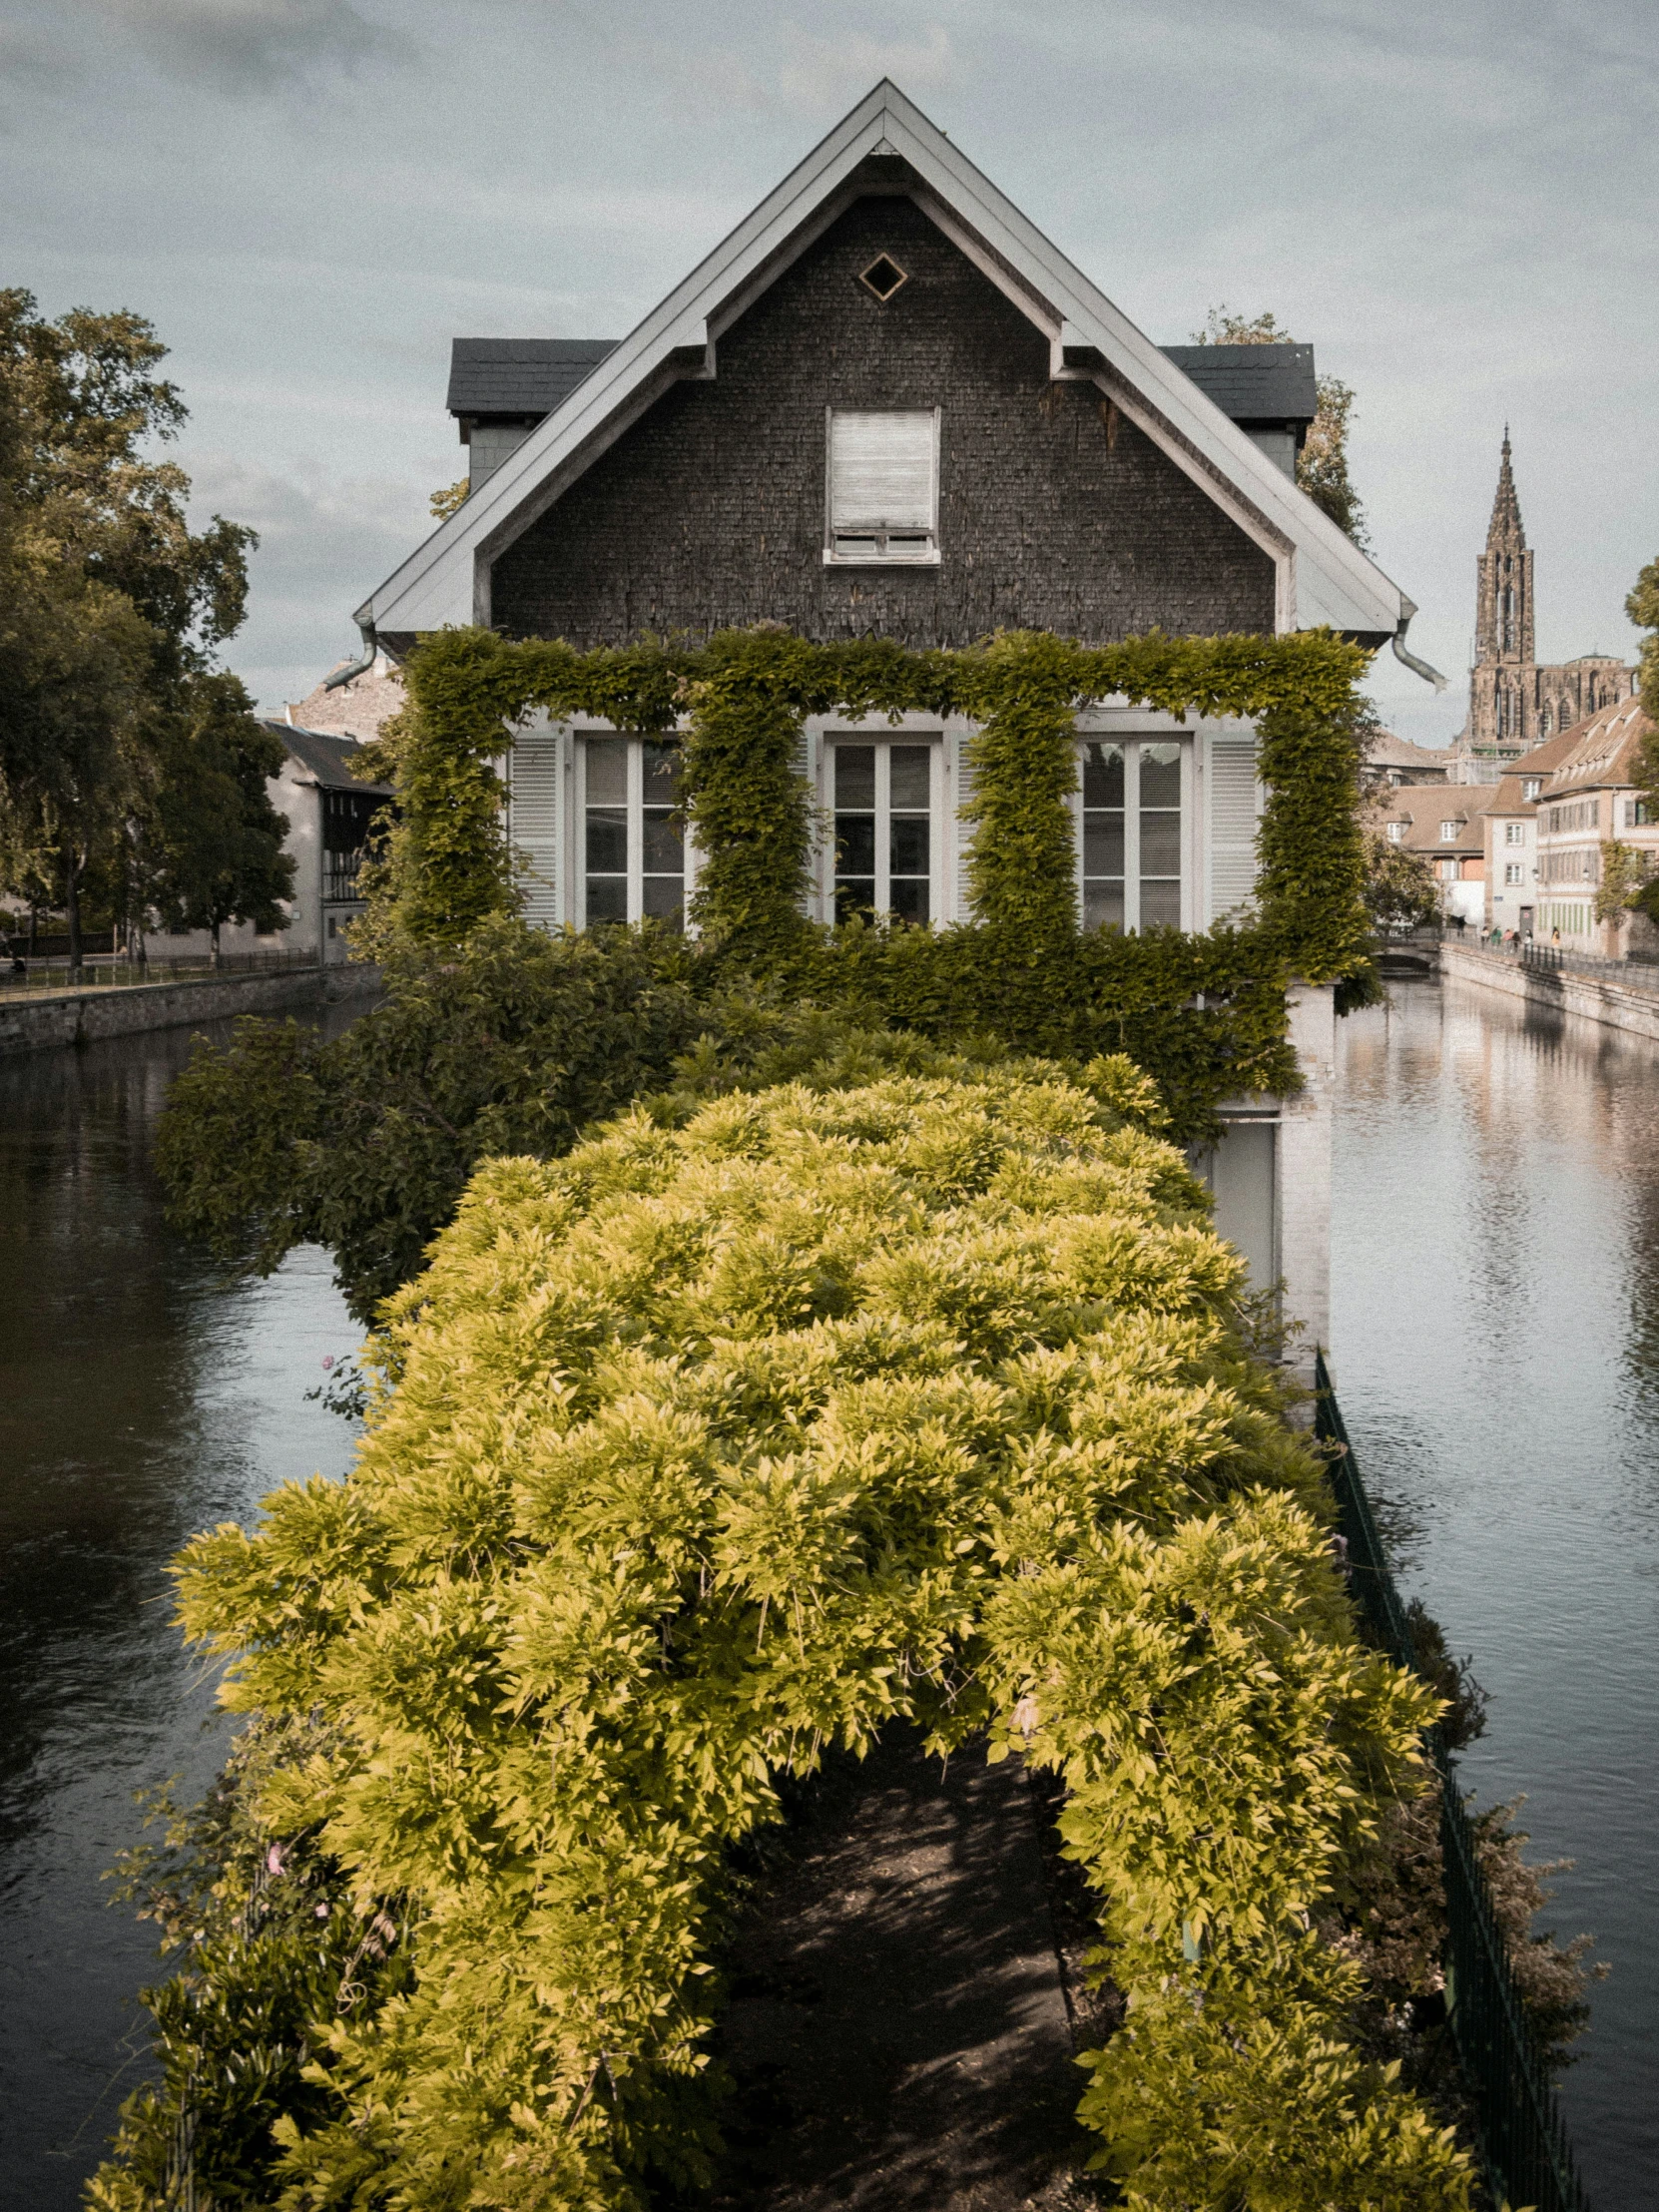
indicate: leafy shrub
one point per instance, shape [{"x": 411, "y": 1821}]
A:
[{"x": 907, "y": 1387}]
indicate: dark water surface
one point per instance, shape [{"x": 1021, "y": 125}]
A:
[
  {"x": 141, "y": 1398},
  {"x": 1496, "y": 1333}
]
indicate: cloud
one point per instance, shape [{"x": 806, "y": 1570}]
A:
[
  {"x": 325, "y": 541},
  {"x": 821, "y": 71},
  {"x": 245, "y": 46}
]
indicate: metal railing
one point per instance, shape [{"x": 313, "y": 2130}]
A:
[
  {"x": 1523, "y": 2142},
  {"x": 106, "y": 971}
]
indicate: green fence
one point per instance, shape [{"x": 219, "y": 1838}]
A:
[{"x": 1522, "y": 2140}]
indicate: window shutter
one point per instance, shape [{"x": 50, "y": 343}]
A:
[
  {"x": 535, "y": 772},
  {"x": 1232, "y": 826},
  {"x": 883, "y": 473},
  {"x": 964, "y": 829}
]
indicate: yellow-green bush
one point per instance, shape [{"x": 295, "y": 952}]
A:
[{"x": 904, "y": 1389}]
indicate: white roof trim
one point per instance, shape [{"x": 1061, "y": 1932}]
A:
[{"x": 1322, "y": 576}]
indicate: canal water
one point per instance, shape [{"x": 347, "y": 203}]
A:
[
  {"x": 1497, "y": 1341},
  {"x": 1495, "y": 1279},
  {"x": 141, "y": 1398}
]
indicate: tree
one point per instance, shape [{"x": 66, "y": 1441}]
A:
[
  {"x": 1322, "y": 465},
  {"x": 1400, "y": 890},
  {"x": 217, "y": 837},
  {"x": 111, "y": 608},
  {"x": 445, "y": 502}
]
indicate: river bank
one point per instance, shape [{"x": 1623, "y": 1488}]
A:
[{"x": 40, "y": 1022}]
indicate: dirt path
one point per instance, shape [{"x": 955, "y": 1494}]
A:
[{"x": 896, "y": 2025}]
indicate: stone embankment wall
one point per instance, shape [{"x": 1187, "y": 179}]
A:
[
  {"x": 46, "y": 1018},
  {"x": 1616, "y": 1004}
]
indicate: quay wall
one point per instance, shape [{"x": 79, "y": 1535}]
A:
[
  {"x": 1617, "y": 1005},
  {"x": 49, "y": 1018}
]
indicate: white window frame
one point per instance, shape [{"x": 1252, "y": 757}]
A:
[
  {"x": 1131, "y": 741},
  {"x": 877, "y": 545},
  {"x": 937, "y": 855},
  {"x": 1449, "y": 833},
  {"x": 635, "y": 808},
  {"x": 1515, "y": 832},
  {"x": 1513, "y": 872},
  {"x": 1396, "y": 832}
]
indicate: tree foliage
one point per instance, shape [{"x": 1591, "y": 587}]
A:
[
  {"x": 215, "y": 843},
  {"x": 1401, "y": 892},
  {"x": 1321, "y": 464},
  {"x": 111, "y": 607},
  {"x": 908, "y": 1388}
]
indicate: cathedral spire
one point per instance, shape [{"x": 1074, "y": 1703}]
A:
[{"x": 1507, "y": 533}]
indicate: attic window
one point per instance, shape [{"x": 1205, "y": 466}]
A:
[
  {"x": 883, "y": 276},
  {"x": 882, "y": 489}
]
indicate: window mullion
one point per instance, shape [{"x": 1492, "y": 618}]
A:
[
  {"x": 1131, "y": 835},
  {"x": 884, "y": 828}
]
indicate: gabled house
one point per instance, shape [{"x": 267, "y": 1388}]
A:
[
  {"x": 887, "y": 405},
  {"x": 1593, "y": 799}
]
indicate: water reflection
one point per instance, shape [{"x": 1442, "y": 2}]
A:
[
  {"x": 141, "y": 1398},
  {"x": 1497, "y": 1330}
]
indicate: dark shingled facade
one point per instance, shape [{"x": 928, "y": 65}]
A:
[{"x": 1055, "y": 513}]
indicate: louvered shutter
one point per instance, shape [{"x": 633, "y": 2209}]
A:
[
  {"x": 883, "y": 473},
  {"x": 809, "y": 750},
  {"x": 536, "y": 770},
  {"x": 964, "y": 829},
  {"x": 1232, "y": 826}
]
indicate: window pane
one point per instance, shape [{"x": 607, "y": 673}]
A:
[
  {"x": 1103, "y": 905},
  {"x": 1160, "y": 902},
  {"x": 855, "y": 776},
  {"x": 907, "y": 845},
  {"x": 855, "y": 895},
  {"x": 607, "y": 840},
  {"x": 662, "y": 775},
  {"x": 663, "y": 898},
  {"x": 909, "y": 902},
  {"x": 1160, "y": 776},
  {"x": 855, "y": 847},
  {"x": 1103, "y": 776},
  {"x": 909, "y": 769},
  {"x": 664, "y": 854},
  {"x": 607, "y": 762},
  {"x": 607, "y": 898},
  {"x": 1160, "y": 844},
  {"x": 1102, "y": 844}
]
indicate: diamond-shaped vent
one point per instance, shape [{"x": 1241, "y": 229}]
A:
[{"x": 883, "y": 276}]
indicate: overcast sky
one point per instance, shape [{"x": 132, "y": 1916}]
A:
[{"x": 309, "y": 199}]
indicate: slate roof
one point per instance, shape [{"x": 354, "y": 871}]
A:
[
  {"x": 519, "y": 377},
  {"x": 1258, "y": 384},
  {"x": 1424, "y": 807},
  {"x": 328, "y": 757}
]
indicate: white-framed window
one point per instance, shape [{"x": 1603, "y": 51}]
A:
[
  {"x": 1513, "y": 871},
  {"x": 1515, "y": 832},
  {"x": 884, "y": 798},
  {"x": 1532, "y": 787},
  {"x": 1449, "y": 833},
  {"x": 1132, "y": 854},
  {"x": 632, "y": 856},
  {"x": 882, "y": 486},
  {"x": 1448, "y": 872},
  {"x": 1396, "y": 832}
]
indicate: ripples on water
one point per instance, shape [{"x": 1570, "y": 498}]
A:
[
  {"x": 141, "y": 1398},
  {"x": 1495, "y": 1323}
]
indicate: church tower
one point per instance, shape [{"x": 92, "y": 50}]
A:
[{"x": 1502, "y": 683}]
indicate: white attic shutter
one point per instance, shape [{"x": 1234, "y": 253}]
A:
[
  {"x": 883, "y": 484},
  {"x": 1231, "y": 781},
  {"x": 536, "y": 766}
]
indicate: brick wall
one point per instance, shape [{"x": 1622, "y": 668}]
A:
[{"x": 710, "y": 510}]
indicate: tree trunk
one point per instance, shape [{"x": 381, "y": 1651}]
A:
[
  {"x": 72, "y": 906},
  {"x": 215, "y": 944}
]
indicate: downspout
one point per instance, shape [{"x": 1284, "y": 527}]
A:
[
  {"x": 1418, "y": 668},
  {"x": 354, "y": 669}
]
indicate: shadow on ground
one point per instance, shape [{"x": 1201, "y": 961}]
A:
[{"x": 896, "y": 2025}]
